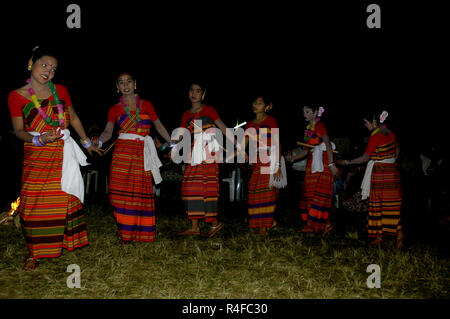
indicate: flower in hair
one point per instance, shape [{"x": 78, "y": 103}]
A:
[
  {"x": 321, "y": 110},
  {"x": 383, "y": 116}
]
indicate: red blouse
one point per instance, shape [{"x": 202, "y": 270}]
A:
[
  {"x": 147, "y": 115},
  {"x": 263, "y": 138},
  {"x": 269, "y": 123},
  {"x": 208, "y": 115},
  {"x": 319, "y": 130},
  {"x": 20, "y": 106},
  {"x": 382, "y": 146}
]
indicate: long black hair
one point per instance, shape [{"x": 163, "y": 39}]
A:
[
  {"x": 39, "y": 51},
  {"x": 198, "y": 82},
  {"x": 266, "y": 98}
]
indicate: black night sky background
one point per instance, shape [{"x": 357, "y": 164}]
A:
[{"x": 319, "y": 52}]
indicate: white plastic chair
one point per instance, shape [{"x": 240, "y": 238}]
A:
[
  {"x": 87, "y": 178},
  {"x": 232, "y": 184}
]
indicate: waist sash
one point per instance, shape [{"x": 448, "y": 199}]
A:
[{"x": 151, "y": 159}]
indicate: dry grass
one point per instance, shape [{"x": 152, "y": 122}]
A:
[{"x": 234, "y": 264}]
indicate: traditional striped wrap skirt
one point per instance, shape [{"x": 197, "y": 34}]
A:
[
  {"x": 317, "y": 196},
  {"x": 385, "y": 201},
  {"x": 200, "y": 191},
  {"x": 131, "y": 192},
  {"x": 51, "y": 218},
  {"x": 261, "y": 198}
]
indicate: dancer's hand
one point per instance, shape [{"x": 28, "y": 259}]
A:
[
  {"x": 95, "y": 140},
  {"x": 278, "y": 175},
  {"x": 51, "y": 136},
  {"x": 288, "y": 156},
  {"x": 158, "y": 143},
  {"x": 91, "y": 149},
  {"x": 334, "y": 170}
]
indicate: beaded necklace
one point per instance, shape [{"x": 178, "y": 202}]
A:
[
  {"x": 309, "y": 132},
  {"x": 137, "y": 121},
  {"x": 41, "y": 112}
]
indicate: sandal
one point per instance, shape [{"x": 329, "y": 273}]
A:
[
  {"x": 30, "y": 264},
  {"x": 306, "y": 229},
  {"x": 261, "y": 231},
  {"x": 124, "y": 242},
  {"x": 213, "y": 230},
  {"x": 190, "y": 231}
]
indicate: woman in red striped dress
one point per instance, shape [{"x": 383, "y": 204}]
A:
[
  {"x": 200, "y": 185},
  {"x": 261, "y": 195},
  {"x": 317, "y": 189},
  {"x": 381, "y": 181},
  {"x": 130, "y": 180},
  {"x": 52, "y": 187}
]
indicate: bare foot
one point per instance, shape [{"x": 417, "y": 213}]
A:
[
  {"x": 30, "y": 264},
  {"x": 376, "y": 241},
  {"x": 261, "y": 231}
]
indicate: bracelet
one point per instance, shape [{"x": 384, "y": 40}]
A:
[
  {"x": 86, "y": 143},
  {"x": 37, "y": 141},
  {"x": 347, "y": 162},
  {"x": 277, "y": 164},
  {"x": 331, "y": 164},
  {"x": 100, "y": 144}
]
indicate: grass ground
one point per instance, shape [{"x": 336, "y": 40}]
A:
[{"x": 234, "y": 264}]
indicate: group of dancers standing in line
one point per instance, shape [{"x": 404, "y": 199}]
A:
[{"x": 52, "y": 189}]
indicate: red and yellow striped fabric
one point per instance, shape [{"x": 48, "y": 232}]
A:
[
  {"x": 51, "y": 218},
  {"x": 385, "y": 199},
  {"x": 261, "y": 197},
  {"x": 317, "y": 190},
  {"x": 130, "y": 187},
  {"x": 200, "y": 191},
  {"x": 317, "y": 196},
  {"x": 200, "y": 185}
]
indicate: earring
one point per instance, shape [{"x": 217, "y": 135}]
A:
[
  {"x": 30, "y": 63},
  {"x": 203, "y": 95},
  {"x": 135, "y": 84}
]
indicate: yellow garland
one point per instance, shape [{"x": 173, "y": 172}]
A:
[{"x": 35, "y": 101}]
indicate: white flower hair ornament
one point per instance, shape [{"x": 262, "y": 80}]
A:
[
  {"x": 321, "y": 110},
  {"x": 383, "y": 116}
]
